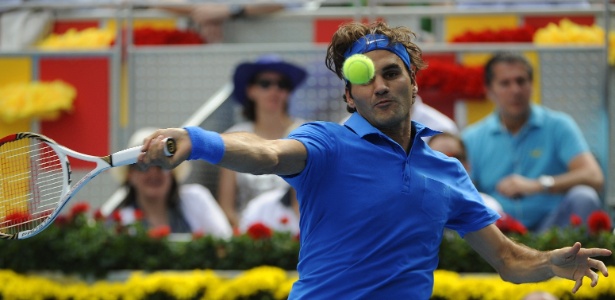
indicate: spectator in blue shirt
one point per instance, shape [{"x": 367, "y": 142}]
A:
[
  {"x": 374, "y": 199},
  {"x": 533, "y": 160}
]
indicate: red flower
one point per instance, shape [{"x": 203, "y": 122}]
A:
[
  {"x": 61, "y": 220},
  {"x": 508, "y": 224},
  {"x": 116, "y": 216},
  {"x": 198, "y": 234},
  {"x": 79, "y": 208},
  {"x": 98, "y": 216},
  {"x": 43, "y": 214},
  {"x": 138, "y": 215},
  {"x": 599, "y": 221},
  {"x": 259, "y": 231},
  {"x": 16, "y": 218},
  {"x": 152, "y": 36},
  {"x": 450, "y": 81},
  {"x": 575, "y": 220},
  {"x": 236, "y": 231},
  {"x": 159, "y": 232},
  {"x": 523, "y": 34},
  {"x": 284, "y": 220}
]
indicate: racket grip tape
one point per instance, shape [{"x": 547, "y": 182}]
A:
[{"x": 170, "y": 146}]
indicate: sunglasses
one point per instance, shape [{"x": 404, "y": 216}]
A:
[{"x": 267, "y": 83}]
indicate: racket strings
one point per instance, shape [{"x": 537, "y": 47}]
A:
[{"x": 31, "y": 184}]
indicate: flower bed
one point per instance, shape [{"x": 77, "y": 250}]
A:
[
  {"x": 91, "y": 246},
  {"x": 267, "y": 282},
  {"x": 102, "y": 38}
]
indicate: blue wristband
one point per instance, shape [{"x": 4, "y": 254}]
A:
[{"x": 207, "y": 145}]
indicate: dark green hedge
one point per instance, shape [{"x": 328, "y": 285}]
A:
[{"x": 95, "y": 248}]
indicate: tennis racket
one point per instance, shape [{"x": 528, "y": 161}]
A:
[{"x": 35, "y": 180}]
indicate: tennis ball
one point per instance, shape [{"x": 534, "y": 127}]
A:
[{"x": 358, "y": 69}]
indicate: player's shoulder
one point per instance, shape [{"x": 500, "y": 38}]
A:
[{"x": 315, "y": 126}]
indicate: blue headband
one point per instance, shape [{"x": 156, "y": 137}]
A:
[{"x": 373, "y": 42}]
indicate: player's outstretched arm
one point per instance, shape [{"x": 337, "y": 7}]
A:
[
  {"x": 240, "y": 151},
  {"x": 519, "y": 264}
]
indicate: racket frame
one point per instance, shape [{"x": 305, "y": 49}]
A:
[{"x": 120, "y": 158}]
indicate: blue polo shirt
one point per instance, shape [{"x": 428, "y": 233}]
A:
[
  {"x": 371, "y": 216},
  {"x": 545, "y": 145}
]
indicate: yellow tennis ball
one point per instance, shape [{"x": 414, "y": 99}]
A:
[{"x": 358, "y": 69}]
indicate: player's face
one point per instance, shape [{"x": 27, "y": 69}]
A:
[
  {"x": 270, "y": 92},
  {"x": 386, "y": 100},
  {"x": 154, "y": 182},
  {"x": 511, "y": 89}
]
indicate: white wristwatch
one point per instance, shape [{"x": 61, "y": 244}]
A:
[{"x": 546, "y": 181}]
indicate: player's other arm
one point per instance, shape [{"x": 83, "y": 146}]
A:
[
  {"x": 239, "y": 151},
  {"x": 518, "y": 263}
]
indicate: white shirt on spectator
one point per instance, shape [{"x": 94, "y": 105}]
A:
[
  {"x": 269, "y": 210},
  {"x": 432, "y": 118}
]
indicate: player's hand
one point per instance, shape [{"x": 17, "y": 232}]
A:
[
  {"x": 154, "y": 146},
  {"x": 575, "y": 262}
]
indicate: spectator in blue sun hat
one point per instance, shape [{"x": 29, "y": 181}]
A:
[
  {"x": 263, "y": 87},
  {"x": 248, "y": 75}
]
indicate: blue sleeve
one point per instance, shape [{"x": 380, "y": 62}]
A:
[
  {"x": 468, "y": 210},
  {"x": 318, "y": 142}
]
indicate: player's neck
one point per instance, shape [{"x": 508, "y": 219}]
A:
[{"x": 402, "y": 134}]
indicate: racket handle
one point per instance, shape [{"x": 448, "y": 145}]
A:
[{"x": 170, "y": 146}]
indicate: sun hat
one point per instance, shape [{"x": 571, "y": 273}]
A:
[
  {"x": 120, "y": 174},
  {"x": 246, "y": 71}
]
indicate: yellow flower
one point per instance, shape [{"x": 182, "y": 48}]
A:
[
  {"x": 41, "y": 100},
  {"x": 187, "y": 285},
  {"x": 250, "y": 282},
  {"x": 89, "y": 38},
  {"x": 284, "y": 288},
  {"x": 567, "y": 32}
]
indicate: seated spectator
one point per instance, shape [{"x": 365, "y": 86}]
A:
[
  {"x": 208, "y": 18},
  {"x": 533, "y": 160},
  {"x": 432, "y": 118},
  {"x": 263, "y": 88},
  {"x": 164, "y": 200},
  {"x": 277, "y": 209}
]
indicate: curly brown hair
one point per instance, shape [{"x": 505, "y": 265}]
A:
[{"x": 350, "y": 32}]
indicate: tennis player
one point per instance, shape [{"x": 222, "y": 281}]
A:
[{"x": 374, "y": 199}]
